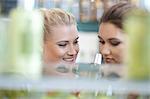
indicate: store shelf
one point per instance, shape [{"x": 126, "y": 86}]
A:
[
  {"x": 88, "y": 26},
  {"x": 87, "y": 83},
  {"x": 82, "y": 84}
]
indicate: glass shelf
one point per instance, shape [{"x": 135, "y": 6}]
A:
[
  {"x": 89, "y": 82},
  {"x": 83, "y": 84}
]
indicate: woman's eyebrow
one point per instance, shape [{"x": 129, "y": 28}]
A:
[
  {"x": 63, "y": 41},
  {"x": 100, "y": 37},
  {"x": 110, "y": 39}
]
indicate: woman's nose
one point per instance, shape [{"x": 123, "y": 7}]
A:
[
  {"x": 105, "y": 50},
  {"x": 72, "y": 50}
]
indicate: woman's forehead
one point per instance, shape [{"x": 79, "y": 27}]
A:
[
  {"x": 64, "y": 32},
  {"x": 108, "y": 30}
]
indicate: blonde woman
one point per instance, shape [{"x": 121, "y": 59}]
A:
[{"x": 60, "y": 41}]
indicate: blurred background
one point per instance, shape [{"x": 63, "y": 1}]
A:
[{"x": 87, "y": 13}]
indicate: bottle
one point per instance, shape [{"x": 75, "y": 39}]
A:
[
  {"x": 138, "y": 54},
  {"x": 24, "y": 44},
  {"x": 3, "y": 42},
  {"x": 20, "y": 58}
]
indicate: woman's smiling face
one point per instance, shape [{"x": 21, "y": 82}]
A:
[{"x": 62, "y": 46}]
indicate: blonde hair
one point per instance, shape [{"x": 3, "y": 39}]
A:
[{"x": 56, "y": 17}]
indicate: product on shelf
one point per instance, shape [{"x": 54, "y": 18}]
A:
[
  {"x": 138, "y": 54},
  {"x": 24, "y": 44}
]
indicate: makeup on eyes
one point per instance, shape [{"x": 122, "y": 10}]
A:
[
  {"x": 76, "y": 41},
  {"x": 114, "y": 42},
  {"x": 65, "y": 42},
  {"x": 62, "y": 43},
  {"x": 101, "y": 41}
]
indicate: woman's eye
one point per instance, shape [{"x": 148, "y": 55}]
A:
[
  {"x": 76, "y": 42},
  {"x": 101, "y": 42},
  {"x": 115, "y": 43},
  {"x": 62, "y": 45}
]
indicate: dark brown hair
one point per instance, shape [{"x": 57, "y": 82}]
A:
[{"x": 116, "y": 13}]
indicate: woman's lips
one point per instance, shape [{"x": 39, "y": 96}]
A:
[
  {"x": 109, "y": 60},
  {"x": 69, "y": 59}
]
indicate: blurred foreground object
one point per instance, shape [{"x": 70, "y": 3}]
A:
[
  {"x": 20, "y": 50},
  {"x": 138, "y": 59},
  {"x": 22, "y": 43}
]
